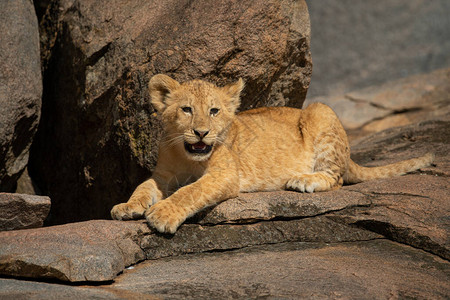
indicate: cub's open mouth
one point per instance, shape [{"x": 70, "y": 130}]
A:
[{"x": 198, "y": 148}]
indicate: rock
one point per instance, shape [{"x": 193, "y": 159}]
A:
[
  {"x": 378, "y": 269},
  {"x": 26, "y": 185},
  {"x": 21, "y": 289},
  {"x": 192, "y": 238},
  {"x": 356, "y": 45},
  {"x": 107, "y": 247},
  {"x": 411, "y": 210},
  {"x": 251, "y": 207},
  {"x": 20, "y": 211},
  {"x": 20, "y": 88},
  {"x": 89, "y": 251},
  {"x": 399, "y": 143},
  {"x": 408, "y": 93},
  {"x": 98, "y": 126},
  {"x": 396, "y": 103}
]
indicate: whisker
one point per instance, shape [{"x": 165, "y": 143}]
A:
[
  {"x": 174, "y": 141},
  {"x": 168, "y": 140}
]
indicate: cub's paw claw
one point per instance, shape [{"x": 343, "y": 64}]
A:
[
  {"x": 302, "y": 184},
  {"x": 165, "y": 216},
  {"x": 127, "y": 211}
]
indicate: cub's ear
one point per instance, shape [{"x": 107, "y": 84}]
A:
[
  {"x": 160, "y": 87},
  {"x": 233, "y": 91}
]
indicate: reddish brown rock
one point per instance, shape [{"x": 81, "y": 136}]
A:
[
  {"x": 89, "y": 251},
  {"x": 98, "y": 126},
  {"x": 411, "y": 209},
  {"x": 20, "y": 211},
  {"x": 20, "y": 88},
  {"x": 377, "y": 269},
  {"x": 99, "y": 250},
  {"x": 399, "y": 143},
  {"x": 251, "y": 207},
  {"x": 193, "y": 238}
]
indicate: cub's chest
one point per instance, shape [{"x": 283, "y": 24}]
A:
[{"x": 185, "y": 175}]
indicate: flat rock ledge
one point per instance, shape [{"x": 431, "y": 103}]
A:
[{"x": 412, "y": 210}]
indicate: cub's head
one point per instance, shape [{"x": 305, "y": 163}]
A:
[{"x": 195, "y": 114}]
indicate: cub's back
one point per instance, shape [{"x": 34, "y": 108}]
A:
[{"x": 268, "y": 142}]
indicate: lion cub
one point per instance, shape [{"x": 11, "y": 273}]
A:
[{"x": 219, "y": 154}]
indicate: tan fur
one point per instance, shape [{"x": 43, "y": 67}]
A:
[{"x": 263, "y": 149}]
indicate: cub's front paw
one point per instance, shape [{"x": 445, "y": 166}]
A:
[
  {"x": 165, "y": 216},
  {"x": 127, "y": 211}
]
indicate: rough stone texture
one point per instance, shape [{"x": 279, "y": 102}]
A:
[
  {"x": 20, "y": 87},
  {"x": 89, "y": 251},
  {"x": 410, "y": 210},
  {"x": 407, "y": 141},
  {"x": 362, "y": 270},
  {"x": 397, "y": 103},
  {"x": 194, "y": 238},
  {"x": 250, "y": 207},
  {"x": 98, "y": 250},
  {"x": 98, "y": 128},
  {"x": 20, "y": 211},
  {"x": 378, "y": 269},
  {"x": 20, "y": 289},
  {"x": 26, "y": 185},
  {"x": 356, "y": 44}
]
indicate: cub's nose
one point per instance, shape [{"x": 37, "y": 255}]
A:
[{"x": 201, "y": 133}]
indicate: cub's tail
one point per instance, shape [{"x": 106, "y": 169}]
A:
[{"x": 357, "y": 173}]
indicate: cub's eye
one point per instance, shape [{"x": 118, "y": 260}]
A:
[
  {"x": 187, "y": 109},
  {"x": 214, "y": 111}
]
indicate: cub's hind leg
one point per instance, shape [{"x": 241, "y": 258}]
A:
[{"x": 327, "y": 149}]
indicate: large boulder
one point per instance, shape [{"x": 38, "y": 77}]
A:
[
  {"x": 99, "y": 133},
  {"x": 20, "y": 88}
]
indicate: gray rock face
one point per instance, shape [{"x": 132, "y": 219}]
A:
[
  {"x": 20, "y": 211},
  {"x": 360, "y": 44},
  {"x": 395, "y": 103},
  {"x": 98, "y": 127},
  {"x": 20, "y": 88}
]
